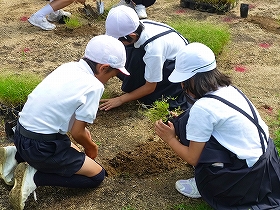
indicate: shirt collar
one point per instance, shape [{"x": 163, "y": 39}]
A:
[{"x": 86, "y": 66}]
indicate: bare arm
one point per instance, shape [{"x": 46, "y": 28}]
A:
[
  {"x": 140, "y": 92},
  {"x": 189, "y": 153},
  {"x": 82, "y": 136}
]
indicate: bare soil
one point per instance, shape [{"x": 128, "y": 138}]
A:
[{"x": 142, "y": 168}]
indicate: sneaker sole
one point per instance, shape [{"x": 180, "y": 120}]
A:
[
  {"x": 15, "y": 194},
  {"x": 185, "y": 194},
  {"x": 35, "y": 24},
  {"x": 188, "y": 195}
]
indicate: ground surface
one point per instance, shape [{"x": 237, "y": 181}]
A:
[{"x": 142, "y": 169}]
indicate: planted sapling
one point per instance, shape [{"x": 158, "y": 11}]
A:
[{"x": 160, "y": 110}]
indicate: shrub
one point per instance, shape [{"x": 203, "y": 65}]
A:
[
  {"x": 215, "y": 36},
  {"x": 15, "y": 87}
]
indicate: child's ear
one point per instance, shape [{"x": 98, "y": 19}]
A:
[{"x": 102, "y": 68}]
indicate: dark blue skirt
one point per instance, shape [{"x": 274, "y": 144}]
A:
[{"x": 235, "y": 186}]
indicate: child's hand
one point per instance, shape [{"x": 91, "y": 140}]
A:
[
  {"x": 165, "y": 132},
  {"x": 92, "y": 151}
]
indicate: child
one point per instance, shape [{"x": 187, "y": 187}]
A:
[{"x": 65, "y": 101}]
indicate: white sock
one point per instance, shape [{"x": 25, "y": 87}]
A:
[
  {"x": 44, "y": 11},
  {"x": 55, "y": 12}
]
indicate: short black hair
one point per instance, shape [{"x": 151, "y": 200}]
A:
[
  {"x": 91, "y": 64},
  {"x": 139, "y": 29},
  {"x": 138, "y": 32}
]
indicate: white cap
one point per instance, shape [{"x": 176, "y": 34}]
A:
[
  {"x": 193, "y": 58},
  {"x": 121, "y": 21},
  {"x": 105, "y": 49}
]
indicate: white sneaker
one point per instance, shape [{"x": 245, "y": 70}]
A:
[
  {"x": 188, "y": 188},
  {"x": 8, "y": 164},
  {"x": 24, "y": 185},
  {"x": 41, "y": 22},
  {"x": 141, "y": 11},
  {"x": 57, "y": 15}
]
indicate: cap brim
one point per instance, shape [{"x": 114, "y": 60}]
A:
[
  {"x": 176, "y": 76},
  {"x": 124, "y": 71}
]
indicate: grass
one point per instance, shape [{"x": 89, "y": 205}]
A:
[
  {"x": 215, "y": 36},
  {"x": 72, "y": 23},
  {"x": 128, "y": 208},
  {"x": 197, "y": 206},
  {"x": 15, "y": 87}
]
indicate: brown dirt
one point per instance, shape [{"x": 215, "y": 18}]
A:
[{"x": 142, "y": 168}]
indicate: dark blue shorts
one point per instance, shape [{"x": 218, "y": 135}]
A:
[{"x": 51, "y": 156}]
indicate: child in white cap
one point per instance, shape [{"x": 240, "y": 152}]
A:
[
  {"x": 65, "y": 101},
  {"x": 236, "y": 164},
  {"x": 151, "y": 51}
]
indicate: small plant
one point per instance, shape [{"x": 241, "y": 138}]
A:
[
  {"x": 14, "y": 88},
  {"x": 193, "y": 206},
  {"x": 106, "y": 94},
  {"x": 215, "y": 36},
  {"x": 72, "y": 23},
  {"x": 160, "y": 110},
  {"x": 128, "y": 208}
]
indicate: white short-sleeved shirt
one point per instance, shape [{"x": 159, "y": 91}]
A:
[
  {"x": 159, "y": 50},
  {"x": 232, "y": 130},
  {"x": 70, "y": 92}
]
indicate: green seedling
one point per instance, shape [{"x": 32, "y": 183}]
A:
[
  {"x": 128, "y": 208},
  {"x": 72, "y": 23},
  {"x": 160, "y": 110}
]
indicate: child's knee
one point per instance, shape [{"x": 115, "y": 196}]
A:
[{"x": 97, "y": 179}]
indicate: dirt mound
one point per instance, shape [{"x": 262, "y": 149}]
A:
[
  {"x": 267, "y": 23},
  {"x": 145, "y": 160}
]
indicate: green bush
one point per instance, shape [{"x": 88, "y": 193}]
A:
[
  {"x": 15, "y": 87},
  {"x": 215, "y": 36}
]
